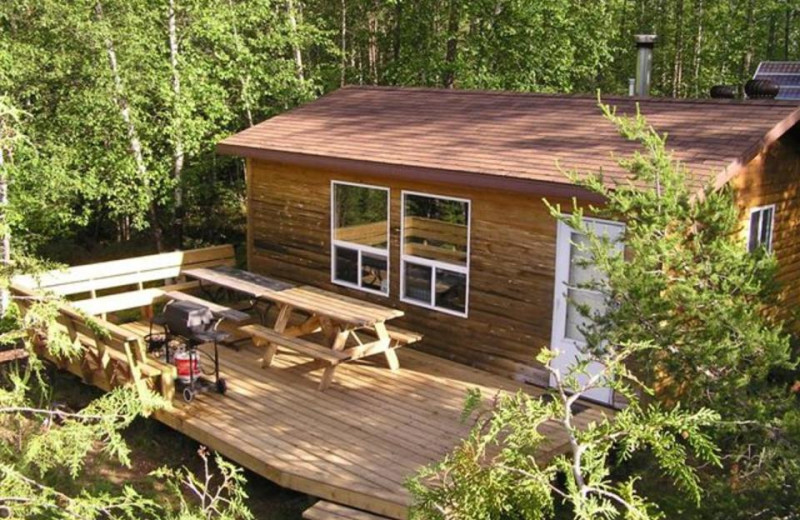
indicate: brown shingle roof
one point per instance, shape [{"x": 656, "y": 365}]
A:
[{"x": 522, "y": 137}]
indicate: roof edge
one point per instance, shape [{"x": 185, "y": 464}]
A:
[
  {"x": 414, "y": 173},
  {"x": 739, "y": 165},
  {"x": 605, "y": 98}
]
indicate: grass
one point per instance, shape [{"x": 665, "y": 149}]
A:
[{"x": 154, "y": 445}]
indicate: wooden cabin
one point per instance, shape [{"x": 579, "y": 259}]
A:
[{"x": 431, "y": 201}]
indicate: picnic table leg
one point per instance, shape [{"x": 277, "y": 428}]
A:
[
  {"x": 327, "y": 378},
  {"x": 340, "y": 339},
  {"x": 280, "y": 325},
  {"x": 391, "y": 355}
]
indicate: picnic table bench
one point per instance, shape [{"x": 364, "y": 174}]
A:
[{"x": 339, "y": 318}]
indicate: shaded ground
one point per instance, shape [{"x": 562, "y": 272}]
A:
[{"x": 154, "y": 445}]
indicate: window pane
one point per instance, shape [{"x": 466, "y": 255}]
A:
[
  {"x": 766, "y": 227},
  {"x": 575, "y": 319},
  {"x": 374, "y": 272},
  {"x": 360, "y": 215},
  {"x": 346, "y": 262},
  {"x": 451, "y": 290},
  {"x": 436, "y": 229},
  {"x": 580, "y": 274},
  {"x": 755, "y": 219},
  {"x": 418, "y": 282}
]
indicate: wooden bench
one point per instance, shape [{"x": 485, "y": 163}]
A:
[
  {"x": 109, "y": 284},
  {"x": 271, "y": 340},
  {"x": 102, "y": 305}
]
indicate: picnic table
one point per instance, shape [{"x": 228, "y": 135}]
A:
[{"x": 351, "y": 328}]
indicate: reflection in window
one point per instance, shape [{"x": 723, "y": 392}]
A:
[
  {"x": 582, "y": 274},
  {"x": 418, "y": 282},
  {"x": 360, "y": 236},
  {"x": 451, "y": 290},
  {"x": 761, "y": 220},
  {"x": 346, "y": 265},
  {"x": 435, "y": 252}
]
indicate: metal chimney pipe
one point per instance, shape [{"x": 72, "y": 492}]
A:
[{"x": 644, "y": 62}]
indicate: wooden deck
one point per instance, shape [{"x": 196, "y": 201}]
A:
[{"x": 355, "y": 444}]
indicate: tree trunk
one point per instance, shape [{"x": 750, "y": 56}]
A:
[
  {"x": 786, "y": 33},
  {"x": 133, "y": 136},
  {"x": 177, "y": 151},
  {"x": 772, "y": 36},
  {"x": 343, "y": 72},
  {"x": 698, "y": 45},
  {"x": 448, "y": 79},
  {"x": 298, "y": 56},
  {"x": 398, "y": 26},
  {"x": 6, "y": 240},
  {"x": 244, "y": 78},
  {"x": 372, "y": 47},
  {"x": 747, "y": 57},
  {"x": 677, "y": 72}
]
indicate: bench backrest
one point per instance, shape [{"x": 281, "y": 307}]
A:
[{"x": 120, "y": 273}]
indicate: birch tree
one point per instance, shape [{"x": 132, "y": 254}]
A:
[
  {"x": 177, "y": 137},
  {"x": 134, "y": 142},
  {"x": 298, "y": 54}
]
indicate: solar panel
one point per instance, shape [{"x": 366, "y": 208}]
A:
[
  {"x": 786, "y": 74},
  {"x": 792, "y": 94},
  {"x": 778, "y": 67}
]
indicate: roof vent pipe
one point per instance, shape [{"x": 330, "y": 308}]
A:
[{"x": 644, "y": 62}]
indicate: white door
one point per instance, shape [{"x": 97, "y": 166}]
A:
[{"x": 566, "y": 335}]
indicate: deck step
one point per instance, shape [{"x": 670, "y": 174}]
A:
[{"x": 324, "y": 510}]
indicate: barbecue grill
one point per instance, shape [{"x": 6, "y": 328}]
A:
[{"x": 194, "y": 324}]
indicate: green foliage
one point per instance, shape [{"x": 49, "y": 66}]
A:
[
  {"x": 686, "y": 282},
  {"x": 236, "y": 65},
  {"x": 222, "y": 498},
  {"x": 503, "y": 470}
]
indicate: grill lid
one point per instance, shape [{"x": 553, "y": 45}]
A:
[{"x": 188, "y": 318}]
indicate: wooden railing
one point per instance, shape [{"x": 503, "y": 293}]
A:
[
  {"x": 111, "y": 356},
  {"x": 138, "y": 271}
]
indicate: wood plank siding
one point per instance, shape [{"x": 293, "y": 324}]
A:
[
  {"x": 511, "y": 275},
  {"x": 773, "y": 177}
]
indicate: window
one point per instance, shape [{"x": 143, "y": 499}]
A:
[
  {"x": 435, "y": 252},
  {"x": 582, "y": 273},
  {"x": 761, "y": 221},
  {"x": 360, "y": 236}
]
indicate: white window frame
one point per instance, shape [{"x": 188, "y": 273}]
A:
[
  {"x": 434, "y": 264},
  {"x": 360, "y": 248},
  {"x": 761, "y": 209}
]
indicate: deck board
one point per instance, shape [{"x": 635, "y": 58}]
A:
[
  {"x": 354, "y": 444},
  {"x": 323, "y": 510}
]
